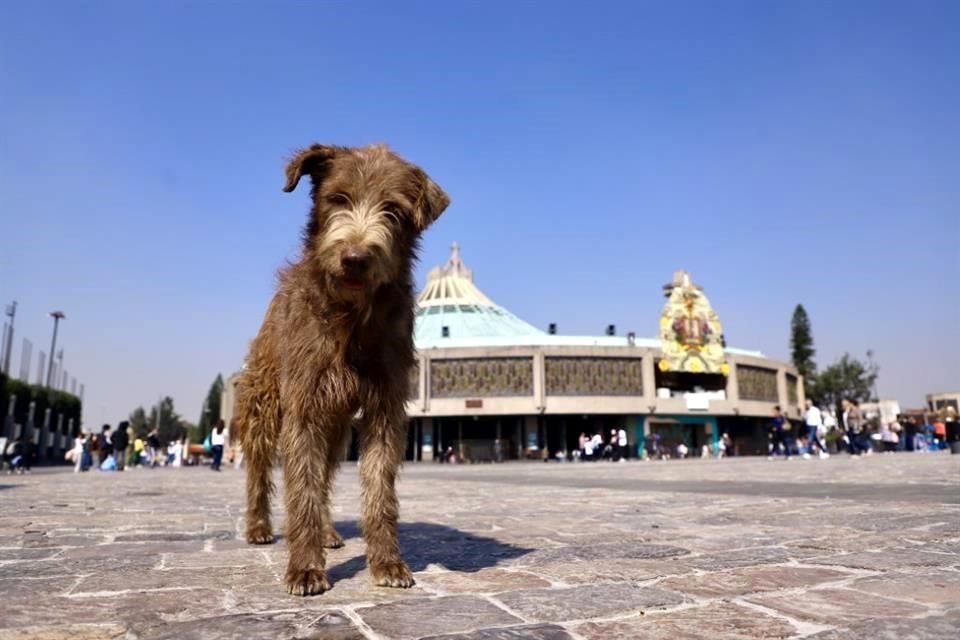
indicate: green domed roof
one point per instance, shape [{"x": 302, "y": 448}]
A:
[{"x": 452, "y": 300}]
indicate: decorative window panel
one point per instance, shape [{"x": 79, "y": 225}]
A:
[
  {"x": 573, "y": 376},
  {"x": 414, "y": 391},
  {"x": 793, "y": 395},
  {"x": 757, "y": 383},
  {"x": 478, "y": 377}
]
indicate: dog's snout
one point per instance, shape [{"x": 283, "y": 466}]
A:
[{"x": 355, "y": 259}]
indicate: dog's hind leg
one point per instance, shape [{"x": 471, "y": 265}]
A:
[
  {"x": 383, "y": 441},
  {"x": 259, "y": 409}
]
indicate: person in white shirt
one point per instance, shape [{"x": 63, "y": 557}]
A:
[
  {"x": 217, "y": 439},
  {"x": 597, "y": 442},
  {"x": 75, "y": 455},
  {"x": 814, "y": 421},
  {"x": 829, "y": 422},
  {"x": 176, "y": 451},
  {"x": 588, "y": 449},
  {"x": 622, "y": 443}
]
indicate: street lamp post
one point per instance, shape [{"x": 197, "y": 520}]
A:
[
  {"x": 57, "y": 317},
  {"x": 59, "y": 375}
]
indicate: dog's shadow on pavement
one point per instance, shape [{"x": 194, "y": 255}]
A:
[{"x": 427, "y": 543}]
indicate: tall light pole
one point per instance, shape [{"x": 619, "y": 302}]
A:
[
  {"x": 56, "y": 380},
  {"x": 57, "y": 317}
]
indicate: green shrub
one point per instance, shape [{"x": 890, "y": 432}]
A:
[{"x": 59, "y": 402}]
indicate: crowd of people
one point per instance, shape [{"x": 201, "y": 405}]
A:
[
  {"x": 120, "y": 448},
  {"x": 657, "y": 450},
  {"x": 819, "y": 433},
  {"x": 852, "y": 432},
  {"x": 593, "y": 448}
]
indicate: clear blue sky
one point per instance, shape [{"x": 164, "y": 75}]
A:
[{"x": 783, "y": 152}]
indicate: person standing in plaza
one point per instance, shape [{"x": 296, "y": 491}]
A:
[
  {"x": 909, "y": 433},
  {"x": 120, "y": 442},
  {"x": 657, "y": 451},
  {"x": 588, "y": 449},
  {"x": 853, "y": 426},
  {"x": 783, "y": 439},
  {"x": 610, "y": 451},
  {"x": 813, "y": 419},
  {"x": 94, "y": 449},
  {"x": 153, "y": 447},
  {"x": 106, "y": 448},
  {"x": 87, "y": 455},
  {"x": 138, "y": 447},
  {"x": 176, "y": 453},
  {"x": 622, "y": 444},
  {"x": 724, "y": 446},
  {"x": 217, "y": 439},
  {"x": 597, "y": 444},
  {"x": 890, "y": 435},
  {"x": 829, "y": 426},
  {"x": 939, "y": 435},
  {"x": 79, "y": 444}
]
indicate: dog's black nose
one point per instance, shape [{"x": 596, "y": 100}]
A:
[{"x": 355, "y": 260}]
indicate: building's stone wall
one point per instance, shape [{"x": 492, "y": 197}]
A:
[
  {"x": 792, "y": 393},
  {"x": 414, "y": 390},
  {"x": 582, "y": 376},
  {"x": 757, "y": 383},
  {"x": 478, "y": 377}
]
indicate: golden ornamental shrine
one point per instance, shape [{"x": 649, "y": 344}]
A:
[{"x": 691, "y": 337}]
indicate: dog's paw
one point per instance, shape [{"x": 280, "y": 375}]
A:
[
  {"x": 306, "y": 582},
  {"x": 332, "y": 539},
  {"x": 392, "y": 574},
  {"x": 259, "y": 535}
]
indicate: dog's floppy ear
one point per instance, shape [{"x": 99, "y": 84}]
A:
[
  {"x": 432, "y": 202},
  {"x": 308, "y": 161}
]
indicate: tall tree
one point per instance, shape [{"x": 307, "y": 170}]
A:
[
  {"x": 847, "y": 378},
  {"x": 140, "y": 422},
  {"x": 169, "y": 425},
  {"x": 801, "y": 345},
  {"x": 210, "y": 412}
]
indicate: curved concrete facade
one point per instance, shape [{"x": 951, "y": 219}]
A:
[{"x": 788, "y": 394}]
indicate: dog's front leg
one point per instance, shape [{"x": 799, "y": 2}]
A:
[
  {"x": 306, "y": 496},
  {"x": 383, "y": 441}
]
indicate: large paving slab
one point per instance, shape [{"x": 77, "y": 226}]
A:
[{"x": 739, "y": 548}]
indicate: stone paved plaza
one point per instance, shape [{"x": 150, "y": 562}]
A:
[{"x": 743, "y": 548}]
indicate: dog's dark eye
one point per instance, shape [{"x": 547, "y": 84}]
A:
[{"x": 338, "y": 198}]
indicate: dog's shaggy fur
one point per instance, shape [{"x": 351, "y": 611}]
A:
[{"x": 337, "y": 343}]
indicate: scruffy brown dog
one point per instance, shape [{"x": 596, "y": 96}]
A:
[{"x": 338, "y": 339}]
